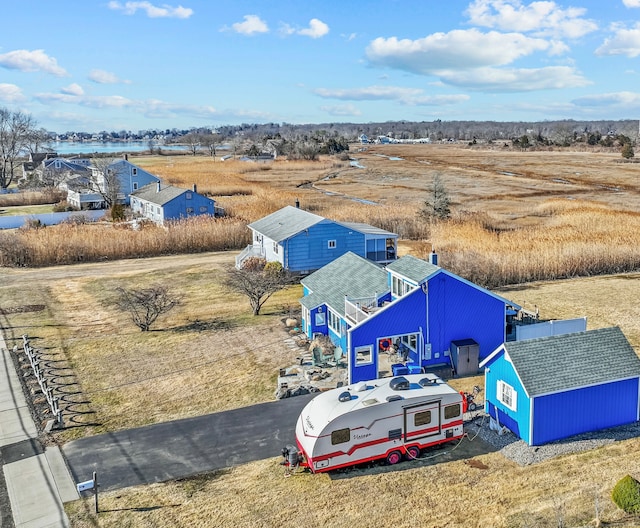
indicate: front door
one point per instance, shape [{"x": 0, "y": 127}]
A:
[{"x": 422, "y": 420}]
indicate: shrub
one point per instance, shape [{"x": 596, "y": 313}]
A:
[
  {"x": 626, "y": 494},
  {"x": 254, "y": 264}
]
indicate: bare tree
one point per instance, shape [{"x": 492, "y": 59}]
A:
[
  {"x": 259, "y": 282},
  {"x": 147, "y": 304},
  {"x": 193, "y": 140},
  {"x": 15, "y": 133},
  {"x": 211, "y": 142},
  {"x": 104, "y": 179}
]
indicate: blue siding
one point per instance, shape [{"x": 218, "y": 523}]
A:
[
  {"x": 177, "y": 208},
  {"x": 128, "y": 174},
  {"x": 582, "y": 410},
  {"x": 309, "y": 250},
  {"x": 499, "y": 369},
  {"x": 403, "y": 317},
  {"x": 458, "y": 310}
]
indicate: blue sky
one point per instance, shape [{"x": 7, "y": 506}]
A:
[{"x": 111, "y": 65}]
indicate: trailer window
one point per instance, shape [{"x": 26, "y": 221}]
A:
[
  {"x": 340, "y": 436},
  {"x": 422, "y": 418},
  {"x": 451, "y": 411}
]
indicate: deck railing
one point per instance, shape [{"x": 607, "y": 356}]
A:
[
  {"x": 249, "y": 251},
  {"x": 358, "y": 309}
]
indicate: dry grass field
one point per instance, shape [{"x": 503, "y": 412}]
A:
[{"x": 528, "y": 215}]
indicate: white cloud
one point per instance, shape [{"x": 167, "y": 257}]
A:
[
  {"x": 541, "y": 17},
  {"x": 317, "y": 28},
  {"x": 631, "y": 3},
  {"x": 153, "y": 11},
  {"x": 457, "y": 49},
  {"x": 341, "y": 110},
  {"x": 623, "y": 42},
  {"x": 10, "y": 93},
  {"x": 626, "y": 99},
  {"x": 73, "y": 89},
  {"x": 406, "y": 96},
  {"x": 90, "y": 101},
  {"x": 105, "y": 77},
  {"x": 31, "y": 61},
  {"x": 500, "y": 80},
  {"x": 252, "y": 24}
]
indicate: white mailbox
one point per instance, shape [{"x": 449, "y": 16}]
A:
[{"x": 84, "y": 486}]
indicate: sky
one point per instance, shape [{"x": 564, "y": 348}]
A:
[{"x": 92, "y": 65}]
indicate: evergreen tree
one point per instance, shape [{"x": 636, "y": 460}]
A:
[{"x": 437, "y": 203}]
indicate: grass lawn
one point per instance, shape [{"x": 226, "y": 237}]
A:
[{"x": 26, "y": 210}]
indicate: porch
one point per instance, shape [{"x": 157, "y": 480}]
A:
[{"x": 248, "y": 252}]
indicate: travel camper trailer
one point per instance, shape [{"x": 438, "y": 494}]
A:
[{"x": 390, "y": 418}]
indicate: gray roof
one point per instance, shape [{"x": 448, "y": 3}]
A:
[
  {"x": 368, "y": 229},
  {"x": 349, "y": 275},
  {"x": 150, "y": 193},
  {"x": 558, "y": 363},
  {"x": 413, "y": 268},
  {"x": 285, "y": 223}
]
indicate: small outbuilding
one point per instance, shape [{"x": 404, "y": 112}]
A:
[{"x": 550, "y": 388}]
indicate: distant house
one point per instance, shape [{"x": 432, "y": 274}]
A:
[
  {"x": 550, "y": 388},
  {"x": 161, "y": 203},
  {"x": 423, "y": 309},
  {"x": 303, "y": 242}
]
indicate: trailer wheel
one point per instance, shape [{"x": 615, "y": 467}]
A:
[
  {"x": 472, "y": 406},
  {"x": 394, "y": 457},
  {"x": 413, "y": 452}
]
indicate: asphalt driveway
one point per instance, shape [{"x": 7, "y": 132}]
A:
[{"x": 165, "y": 451}]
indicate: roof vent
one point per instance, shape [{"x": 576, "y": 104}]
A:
[
  {"x": 361, "y": 387},
  {"x": 394, "y": 397},
  {"x": 344, "y": 396},
  {"x": 426, "y": 382},
  {"x": 399, "y": 383}
]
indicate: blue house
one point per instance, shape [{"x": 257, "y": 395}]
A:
[
  {"x": 554, "y": 387},
  {"x": 303, "y": 242},
  {"x": 130, "y": 178},
  {"x": 161, "y": 203},
  {"x": 413, "y": 304}
]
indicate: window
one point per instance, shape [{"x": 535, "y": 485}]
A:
[
  {"x": 422, "y": 418},
  {"x": 188, "y": 196},
  {"x": 331, "y": 244},
  {"x": 275, "y": 248},
  {"x": 396, "y": 286},
  {"x": 340, "y": 436},
  {"x": 506, "y": 395},
  {"x": 451, "y": 411},
  {"x": 203, "y": 208},
  {"x": 321, "y": 320},
  {"x": 363, "y": 355},
  {"x": 334, "y": 322},
  {"x": 189, "y": 210},
  {"x": 135, "y": 171},
  {"x": 135, "y": 186}
]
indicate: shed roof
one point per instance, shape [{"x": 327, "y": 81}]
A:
[
  {"x": 158, "y": 194},
  {"x": 285, "y": 223},
  {"x": 368, "y": 229},
  {"x": 559, "y": 363},
  {"x": 413, "y": 268},
  {"x": 349, "y": 275}
]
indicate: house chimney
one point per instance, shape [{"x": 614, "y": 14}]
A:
[
  {"x": 158, "y": 187},
  {"x": 297, "y": 204},
  {"x": 433, "y": 257},
  {"x": 195, "y": 189},
  {"x": 126, "y": 157}
]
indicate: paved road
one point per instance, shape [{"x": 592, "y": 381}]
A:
[{"x": 171, "y": 450}]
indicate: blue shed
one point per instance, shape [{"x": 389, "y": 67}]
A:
[
  {"x": 412, "y": 303},
  {"x": 554, "y": 387},
  {"x": 303, "y": 242},
  {"x": 161, "y": 203}
]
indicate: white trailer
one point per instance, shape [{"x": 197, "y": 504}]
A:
[{"x": 387, "y": 418}]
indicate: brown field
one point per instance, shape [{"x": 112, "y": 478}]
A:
[{"x": 520, "y": 213}]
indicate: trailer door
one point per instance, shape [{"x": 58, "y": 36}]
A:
[{"x": 422, "y": 420}]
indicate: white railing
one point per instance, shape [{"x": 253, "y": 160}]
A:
[
  {"x": 249, "y": 251},
  {"x": 359, "y": 309}
]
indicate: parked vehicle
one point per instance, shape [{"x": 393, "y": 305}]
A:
[{"x": 389, "y": 418}]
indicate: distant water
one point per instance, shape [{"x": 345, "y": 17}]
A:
[{"x": 100, "y": 147}]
